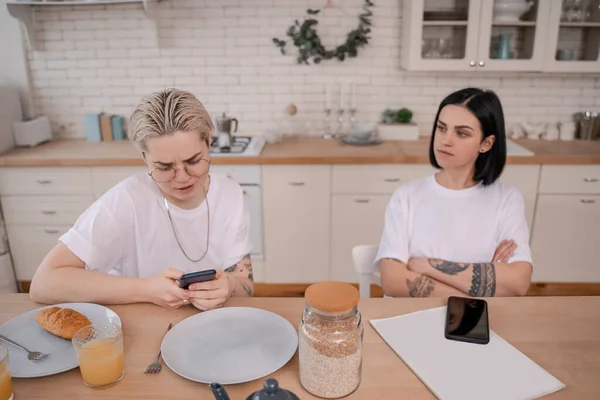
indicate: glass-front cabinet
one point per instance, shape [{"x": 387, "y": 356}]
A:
[
  {"x": 574, "y": 36},
  {"x": 501, "y": 35}
]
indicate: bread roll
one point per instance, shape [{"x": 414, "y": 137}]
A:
[{"x": 61, "y": 322}]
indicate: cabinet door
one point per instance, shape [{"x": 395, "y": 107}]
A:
[
  {"x": 29, "y": 245},
  {"x": 104, "y": 178},
  {"x": 44, "y": 210},
  {"x": 434, "y": 40},
  {"x": 356, "y": 220},
  {"x": 573, "y": 38},
  {"x": 512, "y": 42},
  {"x": 565, "y": 238},
  {"x": 8, "y": 283},
  {"x": 296, "y": 208},
  {"x": 45, "y": 181},
  {"x": 525, "y": 178}
]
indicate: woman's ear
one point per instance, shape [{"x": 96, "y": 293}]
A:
[{"x": 487, "y": 144}]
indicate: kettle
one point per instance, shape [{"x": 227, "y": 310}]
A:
[
  {"x": 224, "y": 137},
  {"x": 270, "y": 391}
]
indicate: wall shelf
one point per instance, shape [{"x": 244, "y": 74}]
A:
[{"x": 24, "y": 11}]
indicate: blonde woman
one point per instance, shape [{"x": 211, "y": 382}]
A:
[{"x": 135, "y": 241}]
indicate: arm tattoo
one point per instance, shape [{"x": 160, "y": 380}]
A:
[
  {"x": 245, "y": 264},
  {"x": 232, "y": 269},
  {"x": 421, "y": 286},
  {"x": 483, "y": 283},
  {"x": 247, "y": 288},
  {"x": 447, "y": 267}
]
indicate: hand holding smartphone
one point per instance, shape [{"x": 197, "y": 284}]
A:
[
  {"x": 467, "y": 320},
  {"x": 186, "y": 280}
]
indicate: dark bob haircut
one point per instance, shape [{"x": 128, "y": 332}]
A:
[{"x": 485, "y": 105}]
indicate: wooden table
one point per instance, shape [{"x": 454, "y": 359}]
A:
[{"x": 561, "y": 334}]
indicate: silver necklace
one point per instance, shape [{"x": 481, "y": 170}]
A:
[{"x": 207, "y": 228}]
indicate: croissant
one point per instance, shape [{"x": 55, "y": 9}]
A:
[{"x": 61, "y": 322}]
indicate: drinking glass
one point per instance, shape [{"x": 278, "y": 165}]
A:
[
  {"x": 99, "y": 350},
  {"x": 6, "y": 392}
]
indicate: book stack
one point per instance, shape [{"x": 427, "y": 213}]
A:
[{"x": 104, "y": 127}]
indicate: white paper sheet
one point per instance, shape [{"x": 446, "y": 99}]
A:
[{"x": 463, "y": 371}]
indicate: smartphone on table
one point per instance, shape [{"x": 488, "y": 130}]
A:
[
  {"x": 186, "y": 280},
  {"x": 467, "y": 320}
]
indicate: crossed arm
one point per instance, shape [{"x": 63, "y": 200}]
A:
[{"x": 425, "y": 277}]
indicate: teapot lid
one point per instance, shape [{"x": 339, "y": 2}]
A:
[{"x": 271, "y": 391}]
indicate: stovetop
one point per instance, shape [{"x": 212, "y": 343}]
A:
[{"x": 241, "y": 146}]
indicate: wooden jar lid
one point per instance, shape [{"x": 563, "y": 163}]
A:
[{"x": 332, "y": 296}]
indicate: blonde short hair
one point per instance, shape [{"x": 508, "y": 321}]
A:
[{"x": 166, "y": 112}]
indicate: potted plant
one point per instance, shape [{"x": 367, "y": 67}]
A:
[{"x": 397, "y": 125}]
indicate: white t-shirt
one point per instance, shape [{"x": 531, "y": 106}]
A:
[
  {"x": 127, "y": 231},
  {"x": 425, "y": 219}
]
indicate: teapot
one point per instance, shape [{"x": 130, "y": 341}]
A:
[
  {"x": 224, "y": 130},
  {"x": 270, "y": 391}
]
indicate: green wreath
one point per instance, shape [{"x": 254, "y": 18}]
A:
[{"x": 305, "y": 37}]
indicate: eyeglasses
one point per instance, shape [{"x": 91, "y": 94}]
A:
[{"x": 196, "y": 169}]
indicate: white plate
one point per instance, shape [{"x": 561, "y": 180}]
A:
[
  {"x": 25, "y": 330},
  {"x": 229, "y": 345}
]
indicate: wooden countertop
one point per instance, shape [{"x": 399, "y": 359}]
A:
[
  {"x": 558, "y": 333},
  {"x": 291, "y": 151}
]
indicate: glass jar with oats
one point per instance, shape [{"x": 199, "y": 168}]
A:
[{"x": 330, "y": 340}]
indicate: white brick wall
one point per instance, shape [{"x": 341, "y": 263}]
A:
[{"x": 104, "y": 58}]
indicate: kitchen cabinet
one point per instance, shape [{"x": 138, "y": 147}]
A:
[
  {"x": 104, "y": 178},
  {"x": 297, "y": 204},
  {"x": 355, "y": 220},
  {"x": 8, "y": 283},
  {"x": 30, "y": 244},
  {"x": 565, "y": 238},
  {"x": 525, "y": 178},
  {"x": 573, "y": 38},
  {"x": 360, "y": 196},
  {"x": 565, "y": 231},
  {"x": 39, "y": 205},
  {"x": 469, "y": 35}
]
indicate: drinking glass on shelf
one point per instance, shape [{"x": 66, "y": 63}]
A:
[
  {"x": 445, "y": 47},
  {"x": 99, "y": 350},
  {"x": 6, "y": 392}
]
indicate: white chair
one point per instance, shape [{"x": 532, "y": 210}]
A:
[{"x": 363, "y": 257}]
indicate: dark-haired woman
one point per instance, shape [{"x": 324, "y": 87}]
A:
[{"x": 460, "y": 231}]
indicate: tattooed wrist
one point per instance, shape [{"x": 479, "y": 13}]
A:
[
  {"x": 421, "y": 286},
  {"x": 483, "y": 283}
]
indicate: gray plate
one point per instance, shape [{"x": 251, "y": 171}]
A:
[
  {"x": 229, "y": 345},
  {"x": 361, "y": 142},
  {"x": 25, "y": 330}
]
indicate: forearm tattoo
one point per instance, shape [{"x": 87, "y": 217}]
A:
[
  {"x": 243, "y": 269},
  {"x": 483, "y": 283},
  {"x": 244, "y": 265},
  {"x": 421, "y": 286},
  {"x": 447, "y": 267}
]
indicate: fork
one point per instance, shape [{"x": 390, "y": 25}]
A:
[
  {"x": 155, "y": 367},
  {"x": 32, "y": 356}
]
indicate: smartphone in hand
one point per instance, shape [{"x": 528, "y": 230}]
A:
[
  {"x": 186, "y": 280},
  {"x": 467, "y": 320}
]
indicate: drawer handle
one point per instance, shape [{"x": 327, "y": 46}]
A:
[
  {"x": 590, "y": 180},
  {"x": 44, "y": 181},
  {"x": 361, "y": 201},
  {"x": 48, "y": 212},
  {"x": 49, "y": 231},
  {"x": 297, "y": 183},
  {"x": 587, "y": 201},
  {"x": 391, "y": 180},
  {"x": 244, "y": 192}
]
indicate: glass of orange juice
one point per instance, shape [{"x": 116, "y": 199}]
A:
[
  {"x": 99, "y": 351},
  {"x": 6, "y": 392}
]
